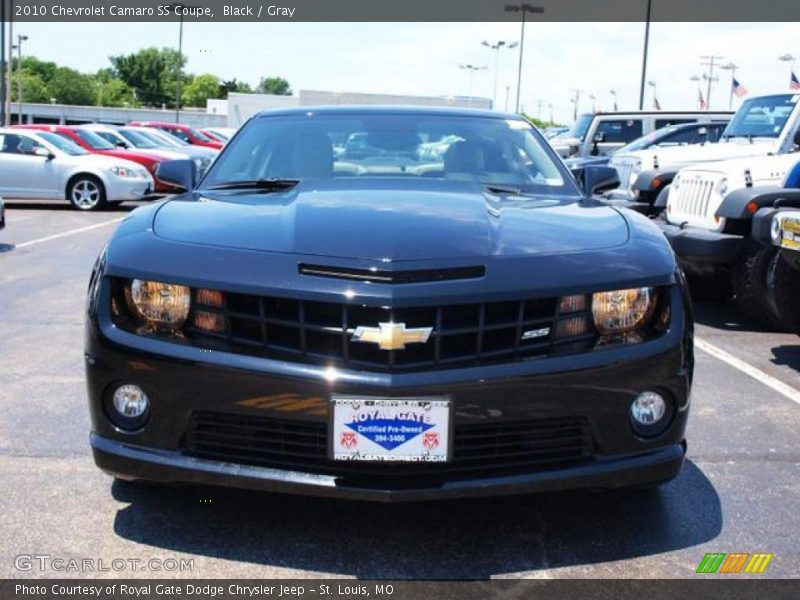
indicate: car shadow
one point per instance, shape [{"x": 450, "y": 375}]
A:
[
  {"x": 787, "y": 355},
  {"x": 63, "y": 205},
  {"x": 6, "y": 248},
  {"x": 724, "y": 316},
  {"x": 470, "y": 539}
]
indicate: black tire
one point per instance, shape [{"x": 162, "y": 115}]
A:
[
  {"x": 749, "y": 284},
  {"x": 86, "y": 192},
  {"x": 785, "y": 287}
]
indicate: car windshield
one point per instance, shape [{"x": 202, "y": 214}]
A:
[
  {"x": 761, "y": 117},
  {"x": 579, "y": 128},
  {"x": 65, "y": 145},
  {"x": 200, "y": 135},
  {"x": 489, "y": 151},
  {"x": 651, "y": 139},
  {"x": 94, "y": 141},
  {"x": 137, "y": 139}
]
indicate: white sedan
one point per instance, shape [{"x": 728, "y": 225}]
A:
[{"x": 38, "y": 164}]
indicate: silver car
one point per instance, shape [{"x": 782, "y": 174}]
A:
[{"x": 39, "y": 164}]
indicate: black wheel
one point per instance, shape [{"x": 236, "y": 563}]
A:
[
  {"x": 784, "y": 283},
  {"x": 86, "y": 192},
  {"x": 750, "y": 289}
]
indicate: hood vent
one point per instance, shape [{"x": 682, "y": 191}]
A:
[{"x": 392, "y": 277}]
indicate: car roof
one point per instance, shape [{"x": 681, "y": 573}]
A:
[{"x": 387, "y": 110}]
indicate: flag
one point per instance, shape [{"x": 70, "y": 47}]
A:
[
  {"x": 738, "y": 89},
  {"x": 701, "y": 103},
  {"x": 656, "y": 105},
  {"x": 794, "y": 83}
]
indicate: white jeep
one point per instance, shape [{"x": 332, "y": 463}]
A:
[
  {"x": 708, "y": 221},
  {"x": 763, "y": 126}
]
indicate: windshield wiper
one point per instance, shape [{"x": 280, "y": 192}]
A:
[{"x": 270, "y": 185}]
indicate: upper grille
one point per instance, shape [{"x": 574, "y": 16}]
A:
[
  {"x": 462, "y": 334},
  {"x": 377, "y": 276},
  {"x": 483, "y": 448}
]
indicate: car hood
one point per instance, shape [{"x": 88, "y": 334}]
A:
[
  {"x": 662, "y": 157},
  {"x": 390, "y": 221},
  {"x": 762, "y": 168}
]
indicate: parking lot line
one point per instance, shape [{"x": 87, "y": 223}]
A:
[
  {"x": 55, "y": 236},
  {"x": 748, "y": 369}
]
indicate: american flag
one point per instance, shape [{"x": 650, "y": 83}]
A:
[
  {"x": 701, "y": 103},
  {"x": 656, "y": 104},
  {"x": 738, "y": 89},
  {"x": 794, "y": 83}
]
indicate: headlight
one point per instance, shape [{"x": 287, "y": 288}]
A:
[
  {"x": 622, "y": 310},
  {"x": 676, "y": 183},
  {"x": 722, "y": 187},
  {"x": 160, "y": 304},
  {"x": 775, "y": 229},
  {"x": 126, "y": 172}
]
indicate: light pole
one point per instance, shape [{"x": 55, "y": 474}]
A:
[
  {"x": 652, "y": 84},
  {"x": 508, "y": 89},
  {"x": 732, "y": 68},
  {"x": 3, "y": 61},
  {"x": 179, "y": 67},
  {"x": 471, "y": 69},
  {"x": 593, "y": 98},
  {"x": 524, "y": 9},
  {"x": 550, "y": 106},
  {"x": 496, "y": 47},
  {"x": 791, "y": 60},
  {"x": 576, "y": 100},
  {"x": 696, "y": 79},
  {"x": 20, "y": 39},
  {"x": 644, "y": 53},
  {"x": 10, "y": 81},
  {"x": 614, "y": 96}
]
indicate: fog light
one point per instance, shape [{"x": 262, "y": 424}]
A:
[
  {"x": 648, "y": 408},
  {"x": 130, "y": 401}
]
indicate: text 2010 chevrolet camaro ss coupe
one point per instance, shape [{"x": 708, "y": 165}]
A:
[{"x": 443, "y": 313}]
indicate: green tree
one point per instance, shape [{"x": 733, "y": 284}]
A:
[
  {"x": 200, "y": 89},
  {"x": 152, "y": 72},
  {"x": 34, "y": 88},
  {"x": 232, "y": 85},
  {"x": 68, "y": 86},
  {"x": 274, "y": 85},
  {"x": 110, "y": 91}
]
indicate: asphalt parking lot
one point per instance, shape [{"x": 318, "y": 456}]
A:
[{"x": 738, "y": 492}]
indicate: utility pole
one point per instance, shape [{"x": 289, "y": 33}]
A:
[
  {"x": 10, "y": 81},
  {"x": 710, "y": 61},
  {"x": 522, "y": 8},
  {"x": 575, "y": 101},
  {"x": 2, "y": 62},
  {"x": 20, "y": 39},
  {"x": 644, "y": 54},
  {"x": 614, "y": 96},
  {"x": 550, "y": 106}
]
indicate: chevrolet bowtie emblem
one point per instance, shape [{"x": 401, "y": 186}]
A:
[{"x": 392, "y": 336}]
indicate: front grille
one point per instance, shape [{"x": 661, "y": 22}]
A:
[
  {"x": 693, "y": 196},
  {"x": 321, "y": 332},
  {"x": 478, "y": 449},
  {"x": 624, "y": 169}
]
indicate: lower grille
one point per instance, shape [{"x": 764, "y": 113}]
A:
[{"x": 478, "y": 449}]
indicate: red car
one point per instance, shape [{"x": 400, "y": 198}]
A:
[
  {"x": 182, "y": 132},
  {"x": 90, "y": 141}
]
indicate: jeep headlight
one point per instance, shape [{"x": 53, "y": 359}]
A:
[
  {"x": 722, "y": 187},
  {"x": 159, "y": 304},
  {"x": 621, "y": 311},
  {"x": 775, "y": 229}
]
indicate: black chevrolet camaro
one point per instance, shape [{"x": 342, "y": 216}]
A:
[{"x": 388, "y": 304}]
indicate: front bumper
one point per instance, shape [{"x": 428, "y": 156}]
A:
[
  {"x": 596, "y": 388},
  {"x": 119, "y": 189},
  {"x": 696, "y": 245}
]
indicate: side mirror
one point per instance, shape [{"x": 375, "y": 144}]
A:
[
  {"x": 180, "y": 173},
  {"x": 702, "y": 131},
  {"x": 796, "y": 139},
  {"x": 598, "y": 179},
  {"x": 121, "y": 144},
  {"x": 44, "y": 153},
  {"x": 599, "y": 138}
]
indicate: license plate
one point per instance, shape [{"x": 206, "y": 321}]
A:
[
  {"x": 390, "y": 429},
  {"x": 790, "y": 233}
]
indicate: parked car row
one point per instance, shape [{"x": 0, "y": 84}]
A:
[
  {"x": 92, "y": 165},
  {"x": 705, "y": 198}
]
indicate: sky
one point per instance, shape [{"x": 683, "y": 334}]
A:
[{"x": 424, "y": 58}]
